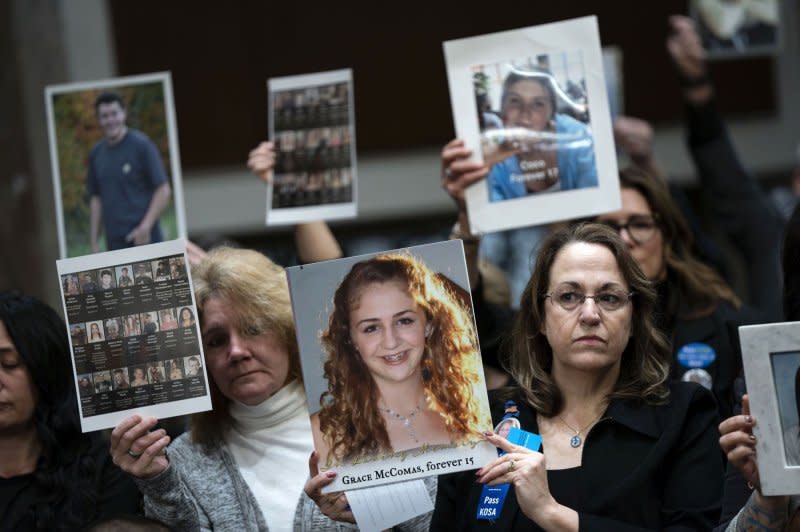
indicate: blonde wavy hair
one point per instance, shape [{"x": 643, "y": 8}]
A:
[
  {"x": 351, "y": 422},
  {"x": 257, "y": 288}
]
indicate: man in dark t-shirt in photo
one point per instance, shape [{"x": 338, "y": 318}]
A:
[{"x": 128, "y": 187}]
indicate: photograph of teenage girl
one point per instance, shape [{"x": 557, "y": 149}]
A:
[
  {"x": 96, "y": 331},
  {"x": 402, "y": 363},
  {"x": 540, "y": 138},
  {"x": 186, "y": 318}
]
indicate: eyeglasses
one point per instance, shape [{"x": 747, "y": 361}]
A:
[
  {"x": 609, "y": 300},
  {"x": 640, "y": 228}
]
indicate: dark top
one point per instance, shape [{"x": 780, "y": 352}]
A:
[
  {"x": 116, "y": 495},
  {"x": 562, "y": 484},
  {"x": 717, "y": 331},
  {"x": 124, "y": 176},
  {"x": 644, "y": 468},
  {"x": 145, "y": 280}
]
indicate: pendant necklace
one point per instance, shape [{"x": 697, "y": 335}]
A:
[
  {"x": 576, "y": 440},
  {"x": 407, "y": 423}
]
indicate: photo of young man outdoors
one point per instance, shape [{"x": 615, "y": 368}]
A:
[
  {"x": 115, "y": 164},
  {"x": 127, "y": 185}
]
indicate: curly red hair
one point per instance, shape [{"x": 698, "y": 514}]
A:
[{"x": 351, "y": 422}]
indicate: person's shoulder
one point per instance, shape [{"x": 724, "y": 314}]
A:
[
  {"x": 187, "y": 454},
  {"x": 743, "y": 315},
  {"x": 137, "y": 136},
  {"x": 689, "y": 396},
  {"x": 504, "y": 167},
  {"x": 568, "y": 124},
  {"x": 184, "y": 445},
  {"x": 139, "y": 139},
  {"x": 98, "y": 146}
]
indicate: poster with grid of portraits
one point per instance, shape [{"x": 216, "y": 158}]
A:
[
  {"x": 134, "y": 334},
  {"x": 312, "y": 126}
]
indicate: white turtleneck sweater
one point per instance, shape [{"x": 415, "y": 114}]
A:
[{"x": 271, "y": 443}]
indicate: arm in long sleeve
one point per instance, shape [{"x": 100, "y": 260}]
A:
[
  {"x": 315, "y": 242},
  {"x": 738, "y": 205},
  {"x": 167, "y": 499}
]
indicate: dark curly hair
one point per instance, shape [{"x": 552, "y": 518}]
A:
[{"x": 67, "y": 470}]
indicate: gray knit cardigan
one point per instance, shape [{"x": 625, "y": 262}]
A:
[{"x": 202, "y": 489}]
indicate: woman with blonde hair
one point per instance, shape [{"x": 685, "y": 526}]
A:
[
  {"x": 259, "y": 422},
  {"x": 244, "y": 464},
  {"x": 403, "y": 365}
]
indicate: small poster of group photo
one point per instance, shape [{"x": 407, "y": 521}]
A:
[
  {"x": 736, "y": 29},
  {"x": 134, "y": 335},
  {"x": 115, "y": 163},
  {"x": 532, "y": 105},
  {"x": 391, "y": 365},
  {"x": 312, "y": 124}
]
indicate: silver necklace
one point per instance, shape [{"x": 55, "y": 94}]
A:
[
  {"x": 407, "y": 423},
  {"x": 576, "y": 440}
]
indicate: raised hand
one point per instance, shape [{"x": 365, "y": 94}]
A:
[{"x": 261, "y": 161}]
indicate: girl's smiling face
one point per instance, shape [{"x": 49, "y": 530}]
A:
[{"x": 388, "y": 330}]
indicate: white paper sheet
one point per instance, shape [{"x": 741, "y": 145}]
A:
[{"x": 382, "y": 507}]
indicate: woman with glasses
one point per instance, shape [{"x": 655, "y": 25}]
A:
[
  {"x": 624, "y": 447},
  {"x": 695, "y": 308}
]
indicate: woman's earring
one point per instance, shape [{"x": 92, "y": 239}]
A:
[
  {"x": 428, "y": 330},
  {"x": 426, "y": 374},
  {"x": 426, "y": 363}
]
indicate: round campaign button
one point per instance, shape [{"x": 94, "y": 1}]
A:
[
  {"x": 696, "y": 355},
  {"x": 700, "y": 376}
]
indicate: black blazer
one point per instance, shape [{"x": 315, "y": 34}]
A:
[{"x": 644, "y": 468}]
